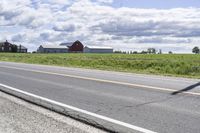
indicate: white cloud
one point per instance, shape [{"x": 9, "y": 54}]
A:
[
  {"x": 105, "y": 1},
  {"x": 95, "y": 23},
  {"x": 60, "y": 2},
  {"x": 64, "y": 26}
]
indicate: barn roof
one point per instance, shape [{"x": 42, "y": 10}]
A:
[
  {"x": 54, "y": 47},
  {"x": 67, "y": 44},
  {"x": 2, "y": 43},
  {"x": 98, "y": 47}
]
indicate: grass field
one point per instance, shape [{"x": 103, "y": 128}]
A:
[{"x": 182, "y": 65}]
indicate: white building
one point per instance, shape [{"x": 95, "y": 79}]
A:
[
  {"x": 52, "y": 49},
  {"x": 97, "y": 49}
]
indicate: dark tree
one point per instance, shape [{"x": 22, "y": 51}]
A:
[
  {"x": 196, "y": 50},
  {"x": 14, "y": 48},
  {"x": 170, "y": 52},
  {"x": 135, "y": 52},
  {"x": 144, "y": 52},
  {"x": 151, "y": 50},
  {"x": 118, "y": 51},
  {"x": 160, "y": 51}
]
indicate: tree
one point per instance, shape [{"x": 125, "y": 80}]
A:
[
  {"x": 135, "y": 52},
  {"x": 170, "y": 52},
  {"x": 144, "y": 52},
  {"x": 160, "y": 51},
  {"x": 14, "y": 48},
  {"x": 124, "y": 52},
  {"x": 118, "y": 51},
  {"x": 151, "y": 50},
  {"x": 196, "y": 50}
]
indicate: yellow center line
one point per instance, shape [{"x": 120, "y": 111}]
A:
[{"x": 103, "y": 80}]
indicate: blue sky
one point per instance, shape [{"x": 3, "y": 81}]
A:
[
  {"x": 161, "y": 4},
  {"x": 171, "y": 25}
]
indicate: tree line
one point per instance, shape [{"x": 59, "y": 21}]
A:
[
  {"x": 148, "y": 51},
  {"x": 195, "y": 50}
]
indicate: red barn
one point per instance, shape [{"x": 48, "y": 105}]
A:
[{"x": 74, "y": 47}]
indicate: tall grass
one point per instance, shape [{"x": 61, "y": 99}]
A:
[{"x": 185, "y": 65}]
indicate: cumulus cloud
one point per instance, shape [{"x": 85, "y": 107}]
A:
[
  {"x": 55, "y": 21},
  {"x": 105, "y": 1},
  {"x": 18, "y": 38},
  {"x": 65, "y": 27},
  {"x": 59, "y": 2},
  {"x": 157, "y": 25},
  {"x": 163, "y": 40}
]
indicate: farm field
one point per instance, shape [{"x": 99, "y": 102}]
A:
[{"x": 181, "y": 65}]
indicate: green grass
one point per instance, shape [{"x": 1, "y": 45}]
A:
[{"x": 183, "y": 65}]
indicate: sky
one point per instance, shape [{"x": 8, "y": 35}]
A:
[
  {"x": 159, "y": 4},
  {"x": 131, "y": 25}
]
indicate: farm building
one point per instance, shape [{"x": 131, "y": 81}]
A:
[
  {"x": 8, "y": 47},
  {"x": 52, "y": 49},
  {"x": 74, "y": 47},
  {"x": 22, "y": 49},
  {"x": 97, "y": 49}
]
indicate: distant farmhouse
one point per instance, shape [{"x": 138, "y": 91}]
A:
[
  {"x": 73, "y": 47},
  {"x": 8, "y": 47}
]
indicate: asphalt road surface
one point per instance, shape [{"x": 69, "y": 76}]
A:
[{"x": 159, "y": 104}]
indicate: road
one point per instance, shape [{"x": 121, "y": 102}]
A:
[{"x": 156, "y": 103}]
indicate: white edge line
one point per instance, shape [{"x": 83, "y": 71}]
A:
[
  {"x": 104, "y": 80},
  {"x": 136, "y": 128}
]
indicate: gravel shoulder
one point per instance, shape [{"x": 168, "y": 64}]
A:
[{"x": 18, "y": 116}]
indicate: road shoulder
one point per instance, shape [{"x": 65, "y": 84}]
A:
[{"x": 18, "y": 116}]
